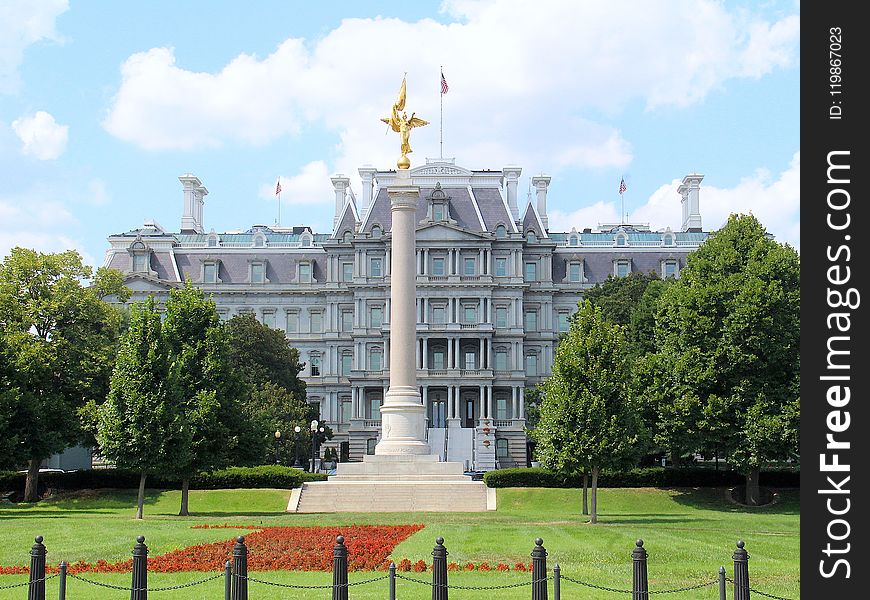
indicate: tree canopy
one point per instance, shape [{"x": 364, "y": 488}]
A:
[{"x": 57, "y": 352}]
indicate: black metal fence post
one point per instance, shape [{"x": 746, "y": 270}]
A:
[
  {"x": 228, "y": 581},
  {"x": 439, "y": 570},
  {"x": 639, "y": 579},
  {"x": 240, "y": 569},
  {"x": 741, "y": 572},
  {"x": 139, "y": 587},
  {"x": 392, "y": 581},
  {"x": 61, "y": 581},
  {"x": 557, "y": 582},
  {"x": 339, "y": 569},
  {"x": 539, "y": 571},
  {"x": 722, "y": 588},
  {"x": 36, "y": 588}
]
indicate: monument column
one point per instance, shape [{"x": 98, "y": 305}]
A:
[{"x": 402, "y": 415}]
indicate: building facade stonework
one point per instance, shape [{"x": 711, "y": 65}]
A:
[{"x": 495, "y": 289}]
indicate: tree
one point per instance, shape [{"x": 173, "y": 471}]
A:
[
  {"x": 260, "y": 353},
  {"x": 210, "y": 389},
  {"x": 729, "y": 332},
  {"x": 588, "y": 418},
  {"x": 271, "y": 408},
  {"x": 58, "y": 349},
  {"x": 141, "y": 425}
]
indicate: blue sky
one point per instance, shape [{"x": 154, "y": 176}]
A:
[{"x": 104, "y": 104}]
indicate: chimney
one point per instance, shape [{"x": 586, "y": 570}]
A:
[
  {"x": 511, "y": 175},
  {"x": 194, "y": 194},
  {"x": 367, "y": 173},
  {"x": 340, "y": 183},
  {"x": 689, "y": 190},
  {"x": 541, "y": 183}
]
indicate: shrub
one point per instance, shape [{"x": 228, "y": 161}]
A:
[{"x": 645, "y": 477}]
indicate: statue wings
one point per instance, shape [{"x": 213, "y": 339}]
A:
[
  {"x": 417, "y": 122},
  {"x": 394, "y": 124}
]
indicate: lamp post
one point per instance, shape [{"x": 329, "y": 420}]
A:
[
  {"x": 314, "y": 425},
  {"x": 296, "y": 463},
  {"x": 277, "y": 444}
]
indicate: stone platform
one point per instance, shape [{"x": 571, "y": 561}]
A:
[{"x": 395, "y": 483}]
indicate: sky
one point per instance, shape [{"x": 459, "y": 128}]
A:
[{"x": 103, "y": 105}]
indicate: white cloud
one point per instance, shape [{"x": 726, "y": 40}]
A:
[
  {"x": 774, "y": 201},
  {"x": 514, "y": 68},
  {"x": 22, "y": 23},
  {"x": 41, "y": 136},
  {"x": 97, "y": 194},
  {"x": 30, "y": 221},
  {"x": 310, "y": 186}
]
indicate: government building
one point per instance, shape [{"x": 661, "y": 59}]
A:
[{"x": 495, "y": 288}]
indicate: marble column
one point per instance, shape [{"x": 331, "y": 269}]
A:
[{"x": 402, "y": 414}]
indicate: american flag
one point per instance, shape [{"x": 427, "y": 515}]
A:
[
  {"x": 444, "y": 87},
  {"x": 278, "y": 187},
  {"x": 622, "y": 187}
]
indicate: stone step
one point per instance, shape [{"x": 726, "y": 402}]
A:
[{"x": 386, "y": 496}]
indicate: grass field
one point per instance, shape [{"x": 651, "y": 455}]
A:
[{"x": 688, "y": 534}]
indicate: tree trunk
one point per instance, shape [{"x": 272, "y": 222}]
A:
[
  {"x": 594, "y": 517},
  {"x": 585, "y": 493},
  {"x": 185, "y": 488},
  {"x": 753, "y": 493},
  {"x": 676, "y": 459},
  {"x": 31, "y": 493},
  {"x": 140, "y": 501}
]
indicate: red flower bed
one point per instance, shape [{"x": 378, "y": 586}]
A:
[{"x": 270, "y": 549}]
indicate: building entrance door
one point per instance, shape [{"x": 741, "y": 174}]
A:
[
  {"x": 439, "y": 413},
  {"x": 469, "y": 413}
]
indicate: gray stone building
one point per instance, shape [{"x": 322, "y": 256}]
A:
[{"x": 495, "y": 287}]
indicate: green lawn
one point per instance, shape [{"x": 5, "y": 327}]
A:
[{"x": 688, "y": 533}]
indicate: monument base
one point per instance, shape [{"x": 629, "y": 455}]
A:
[{"x": 395, "y": 483}]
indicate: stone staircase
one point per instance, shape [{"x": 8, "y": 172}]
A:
[{"x": 392, "y": 496}]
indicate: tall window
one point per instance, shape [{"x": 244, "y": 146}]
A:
[
  {"x": 139, "y": 263},
  {"x": 531, "y": 237},
  {"x": 501, "y": 360},
  {"x": 468, "y": 266},
  {"x": 500, "y": 232},
  {"x": 376, "y": 231},
  {"x": 304, "y": 273},
  {"x": 347, "y": 320},
  {"x": 292, "y": 322},
  {"x": 670, "y": 268},
  {"x": 209, "y": 273},
  {"x": 470, "y": 314},
  {"x": 531, "y": 320},
  {"x": 438, "y": 358},
  {"x": 346, "y": 364},
  {"x": 437, "y": 212},
  {"x": 316, "y": 322},
  {"x": 439, "y": 314},
  {"x": 531, "y": 364},
  {"x": 531, "y": 271},
  {"x": 438, "y": 265},
  {"x": 470, "y": 362},
  {"x": 346, "y": 410},
  {"x": 347, "y": 271},
  {"x": 370, "y": 446},
  {"x": 573, "y": 240},
  {"x": 622, "y": 268},
  {"x": 501, "y": 449},
  {"x": 258, "y": 273},
  {"x": 501, "y": 313},
  {"x": 315, "y": 366},
  {"x": 501, "y": 408},
  {"x": 269, "y": 319},
  {"x": 376, "y": 267},
  {"x": 501, "y": 266},
  {"x": 563, "y": 321},
  {"x": 377, "y": 316},
  {"x": 212, "y": 242},
  {"x": 574, "y": 272},
  {"x": 375, "y": 362},
  {"x": 375, "y": 404}
]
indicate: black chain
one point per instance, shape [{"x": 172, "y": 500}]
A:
[
  {"x": 310, "y": 587},
  {"x": 23, "y": 583},
  {"x": 760, "y": 593},
  {"x": 159, "y": 589},
  {"x": 609, "y": 589},
  {"x": 473, "y": 587}
]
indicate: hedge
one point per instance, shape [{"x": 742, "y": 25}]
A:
[
  {"x": 645, "y": 477},
  {"x": 266, "y": 476}
]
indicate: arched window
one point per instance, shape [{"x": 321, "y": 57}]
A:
[
  {"x": 348, "y": 236},
  {"x": 376, "y": 231},
  {"x": 306, "y": 241},
  {"x": 573, "y": 241},
  {"x": 668, "y": 240},
  {"x": 500, "y": 232},
  {"x": 531, "y": 237}
]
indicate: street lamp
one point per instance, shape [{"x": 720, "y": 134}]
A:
[
  {"x": 277, "y": 444},
  {"x": 314, "y": 425},
  {"x": 296, "y": 463}
]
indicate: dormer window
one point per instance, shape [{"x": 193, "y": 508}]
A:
[
  {"x": 438, "y": 205},
  {"x": 622, "y": 267},
  {"x": 140, "y": 258},
  {"x": 258, "y": 272},
  {"x": 140, "y": 263},
  {"x": 437, "y": 212},
  {"x": 575, "y": 271},
  {"x": 213, "y": 241},
  {"x": 500, "y": 232},
  {"x": 574, "y": 240},
  {"x": 377, "y": 232},
  {"x": 210, "y": 271},
  {"x": 670, "y": 268},
  {"x": 620, "y": 240},
  {"x": 348, "y": 237},
  {"x": 668, "y": 240},
  {"x": 304, "y": 272},
  {"x": 306, "y": 240},
  {"x": 531, "y": 237}
]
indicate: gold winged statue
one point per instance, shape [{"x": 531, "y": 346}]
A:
[{"x": 401, "y": 124}]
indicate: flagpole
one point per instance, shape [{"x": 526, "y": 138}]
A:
[{"x": 441, "y": 126}]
